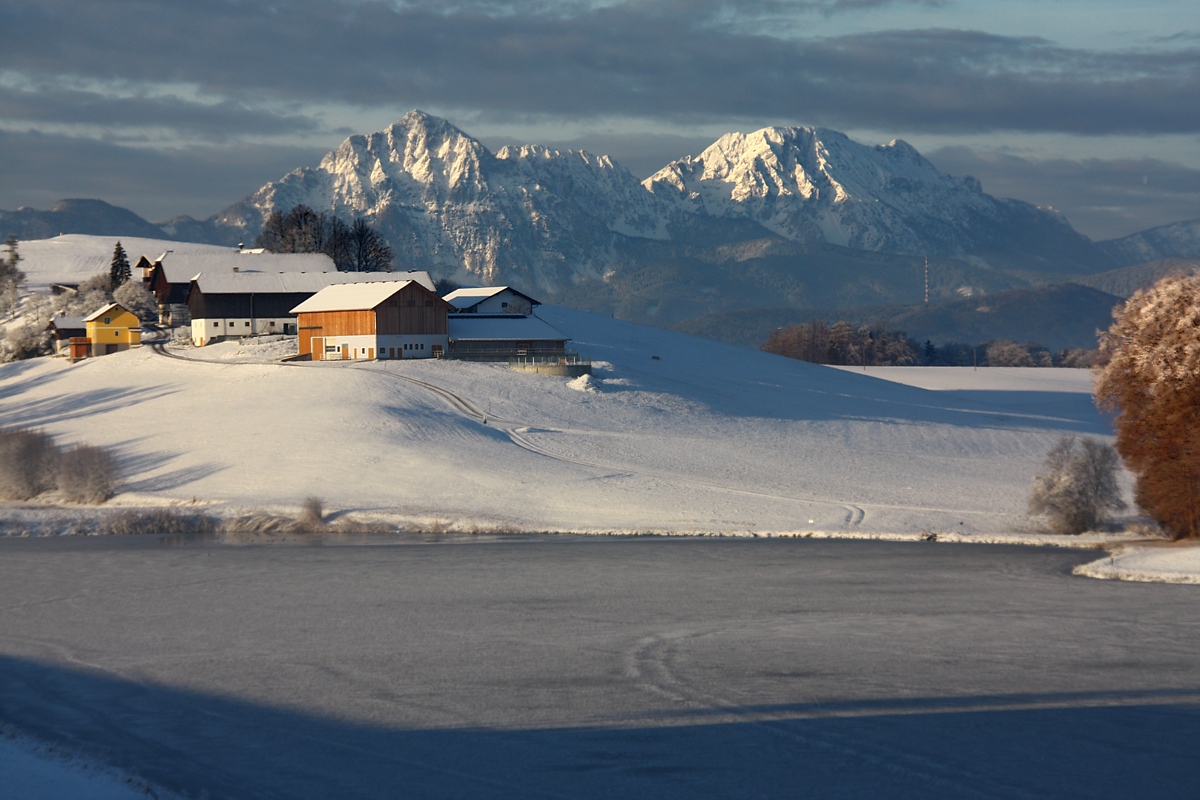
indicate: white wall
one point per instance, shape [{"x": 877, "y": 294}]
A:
[
  {"x": 205, "y": 330},
  {"x": 382, "y": 347}
]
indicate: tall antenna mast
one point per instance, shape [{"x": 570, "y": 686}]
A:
[{"x": 926, "y": 280}]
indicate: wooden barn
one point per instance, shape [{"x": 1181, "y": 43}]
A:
[{"x": 378, "y": 320}]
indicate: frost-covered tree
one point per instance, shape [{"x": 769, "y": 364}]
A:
[
  {"x": 1077, "y": 486},
  {"x": 94, "y": 293},
  {"x": 1150, "y": 375},
  {"x": 136, "y": 298},
  {"x": 119, "y": 272},
  {"x": 10, "y": 277},
  {"x": 24, "y": 341}
]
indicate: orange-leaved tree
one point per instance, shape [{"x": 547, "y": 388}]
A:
[{"x": 1150, "y": 375}]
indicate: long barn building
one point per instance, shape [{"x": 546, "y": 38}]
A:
[{"x": 380, "y": 320}]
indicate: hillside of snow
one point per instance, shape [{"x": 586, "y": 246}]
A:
[
  {"x": 670, "y": 434},
  {"x": 75, "y": 257}
]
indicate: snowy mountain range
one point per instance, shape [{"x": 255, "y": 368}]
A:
[
  {"x": 550, "y": 218},
  {"x": 794, "y": 216}
]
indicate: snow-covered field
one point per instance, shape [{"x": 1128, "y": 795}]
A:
[
  {"x": 75, "y": 257},
  {"x": 671, "y": 434},
  {"x": 30, "y": 771}
]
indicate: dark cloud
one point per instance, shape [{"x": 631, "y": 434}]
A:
[
  {"x": 157, "y": 184},
  {"x": 1103, "y": 198},
  {"x": 212, "y": 121},
  {"x": 664, "y": 60}
]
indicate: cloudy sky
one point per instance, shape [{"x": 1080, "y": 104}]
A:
[{"x": 172, "y": 107}]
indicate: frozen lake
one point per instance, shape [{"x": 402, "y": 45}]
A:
[{"x": 582, "y": 667}]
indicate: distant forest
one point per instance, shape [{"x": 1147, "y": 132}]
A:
[{"x": 844, "y": 344}]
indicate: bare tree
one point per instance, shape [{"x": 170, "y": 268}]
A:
[
  {"x": 1077, "y": 486},
  {"x": 87, "y": 475},
  {"x": 357, "y": 247},
  {"x": 369, "y": 251},
  {"x": 28, "y": 463},
  {"x": 1150, "y": 375}
]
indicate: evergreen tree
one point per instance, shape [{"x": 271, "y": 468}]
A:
[{"x": 119, "y": 272}]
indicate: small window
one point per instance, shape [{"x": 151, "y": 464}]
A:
[
  {"x": 215, "y": 324},
  {"x": 247, "y": 324},
  {"x": 108, "y": 320}
]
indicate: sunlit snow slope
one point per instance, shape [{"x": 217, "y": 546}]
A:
[
  {"x": 672, "y": 433},
  {"x": 75, "y": 257}
]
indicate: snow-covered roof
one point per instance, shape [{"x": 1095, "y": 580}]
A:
[
  {"x": 67, "y": 323},
  {"x": 253, "y": 281},
  {"x": 182, "y": 267},
  {"x": 502, "y": 328},
  {"x": 350, "y": 296},
  {"x": 111, "y": 308},
  {"x": 273, "y": 282},
  {"x": 467, "y": 297}
]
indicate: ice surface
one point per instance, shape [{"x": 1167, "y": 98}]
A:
[{"x": 601, "y": 667}]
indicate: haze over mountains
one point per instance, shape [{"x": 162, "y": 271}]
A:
[{"x": 781, "y": 217}]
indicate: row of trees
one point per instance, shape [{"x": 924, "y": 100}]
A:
[
  {"x": 354, "y": 247},
  {"x": 844, "y": 344}
]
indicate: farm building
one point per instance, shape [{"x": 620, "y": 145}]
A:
[
  {"x": 378, "y": 320},
  {"x": 252, "y": 303},
  {"x": 496, "y": 323},
  {"x": 170, "y": 277},
  {"x": 487, "y": 337},
  {"x": 62, "y": 329},
  {"x": 112, "y": 329},
  {"x": 490, "y": 300}
]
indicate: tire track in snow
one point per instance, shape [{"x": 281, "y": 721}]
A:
[
  {"x": 648, "y": 664},
  {"x": 518, "y": 434}
]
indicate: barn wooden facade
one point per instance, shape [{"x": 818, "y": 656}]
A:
[{"x": 375, "y": 321}]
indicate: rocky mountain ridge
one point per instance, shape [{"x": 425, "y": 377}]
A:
[{"x": 803, "y": 216}]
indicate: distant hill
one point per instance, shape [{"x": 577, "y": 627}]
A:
[
  {"x": 94, "y": 217},
  {"x": 1059, "y": 316},
  {"x": 1127, "y": 280},
  {"x": 1178, "y": 240}
]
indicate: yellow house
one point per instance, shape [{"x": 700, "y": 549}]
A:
[{"x": 112, "y": 329}]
